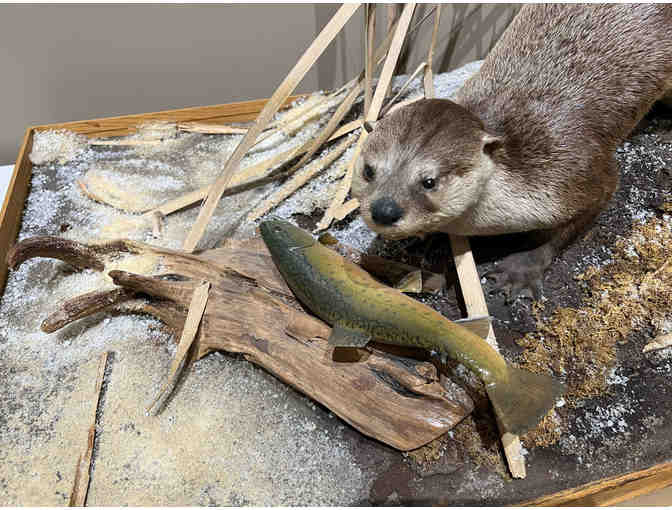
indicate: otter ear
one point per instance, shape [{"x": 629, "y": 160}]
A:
[
  {"x": 490, "y": 143},
  {"x": 368, "y": 126}
]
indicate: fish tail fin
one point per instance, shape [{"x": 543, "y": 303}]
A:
[{"x": 523, "y": 399}]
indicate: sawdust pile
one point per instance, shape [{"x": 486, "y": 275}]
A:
[{"x": 631, "y": 293}]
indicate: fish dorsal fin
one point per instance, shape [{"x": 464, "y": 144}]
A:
[
  {"x": 342, "y": 336},
  {"x": 479, "y": 325}
]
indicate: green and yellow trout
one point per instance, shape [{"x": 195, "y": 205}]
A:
[{"x": 360, "y": 309}]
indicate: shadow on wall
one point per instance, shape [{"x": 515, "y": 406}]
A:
[{"x": 467, "y": 32}]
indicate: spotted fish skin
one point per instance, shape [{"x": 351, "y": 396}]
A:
[{"x": 358, "y": 306}]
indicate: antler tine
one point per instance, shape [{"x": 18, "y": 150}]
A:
[
  {"x": 180, "y": 292},
  {"x": 166, "y": 311},
  {"x": 83, "y": 306},
  {"x": 77, "y": 254}
]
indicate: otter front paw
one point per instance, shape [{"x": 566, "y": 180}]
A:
[{"x": 520, "y": 274}]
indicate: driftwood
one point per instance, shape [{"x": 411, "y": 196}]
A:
[{"x": 397, "y": 400}]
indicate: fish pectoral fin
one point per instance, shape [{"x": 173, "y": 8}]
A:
[
  {"x": 479, "y": 325},
  {"x": 342, "y": 336}
]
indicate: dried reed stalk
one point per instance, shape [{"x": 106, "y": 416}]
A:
[
  {"x": 344, "y": 188},
  {"x": 124, "y": 143},
  {"x": 402, "y": 104},
  {"x": 370, "y": 33},
  {"x": 299, "y": 180},
  {"x": 194, "y": 315},
  {"x": 252, "y": 175},
  {"x": 295, "y": 119},
  {"x": 372, "y": 114},
  {"x": 279, "y": 96},
  {"x": 328, "y": 133},
  {"x": 429, "y": 73},
  {"x": 210, "y": 129},
  {"x": 80, "y": 487},
  {"x": 474, "y": 300},
  {"x": 157, "y": 224},
  {"x": 661, "y": 342},
  {"x": 390, "y": 62},
  {"x": 403, "y": 88},
  {"x": 346, "y": 208},
  {"x": 299, "y": 111}
]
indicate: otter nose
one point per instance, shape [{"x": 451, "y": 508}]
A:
[{"x": 386, "y": 211}]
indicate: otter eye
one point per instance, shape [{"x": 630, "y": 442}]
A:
[
  {"x": 428, "y": 183},
  {"x": 369, "y": 173}
]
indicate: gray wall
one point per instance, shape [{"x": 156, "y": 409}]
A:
[{"x": 74, "y": 62}]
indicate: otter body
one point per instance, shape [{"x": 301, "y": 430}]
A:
[{"x": 528, "y": 142}]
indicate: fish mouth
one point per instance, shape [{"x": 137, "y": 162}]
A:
[{"x": 282, "y": 234}]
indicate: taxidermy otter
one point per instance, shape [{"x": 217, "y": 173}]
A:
[{"x": 527, "y": 144}]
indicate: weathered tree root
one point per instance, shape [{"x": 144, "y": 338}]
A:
[{"x": 397, "y": 400}]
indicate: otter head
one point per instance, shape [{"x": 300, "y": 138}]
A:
[{"x": 422, "y": 169}]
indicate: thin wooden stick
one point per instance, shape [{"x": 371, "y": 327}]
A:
[
  {"x": 390, "y": 62},
  {"x": 372, "y": 114},
  {"x": 429, "y": 73},
  {"x": 297, "y": 117},
  {"x": 474, "y": 300},
  {"x": 343, "y": 190},
  {"x": 299, "y": 111},
  {"x": 346, "y": 208},
  {"x": 124, "y": 143},
  {"x": 157, "y": 224},
  {"x": 395, "y": 107},
  {"x": 661, "y": 342},
  {"x": 326, "y": 133},
  {"x": 299, "y": 180},
  {"x": 250, "y": 176},
  {"x": 199, "y": 300},
  {"x": 370, "y": 34},
  {"x": 210, "y": 129},
  {"x": 279, "y": 96},
  {"x": 403, "y": 88},
  {"x": 80, "y": 487}
]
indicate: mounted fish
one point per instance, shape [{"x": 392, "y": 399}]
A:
[{"x": 361, "y": 309}]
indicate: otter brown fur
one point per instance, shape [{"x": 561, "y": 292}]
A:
[{"x": 528, "y": 142}]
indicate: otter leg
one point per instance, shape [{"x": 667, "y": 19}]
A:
[
  {"x": 667, "y": 95},
  {"x": 522, "y": 273},
  {"x": 667, "y": 99}
]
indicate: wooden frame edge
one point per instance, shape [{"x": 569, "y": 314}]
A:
[
  {"x": 13, "y": 206},
  {"x": 610, "y": 490},
  {"x": 241, "y": 111}
]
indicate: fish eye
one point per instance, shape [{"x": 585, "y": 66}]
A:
[
  {"x": 369, "y": 173},
  {"x": 428, "y": 183}
]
